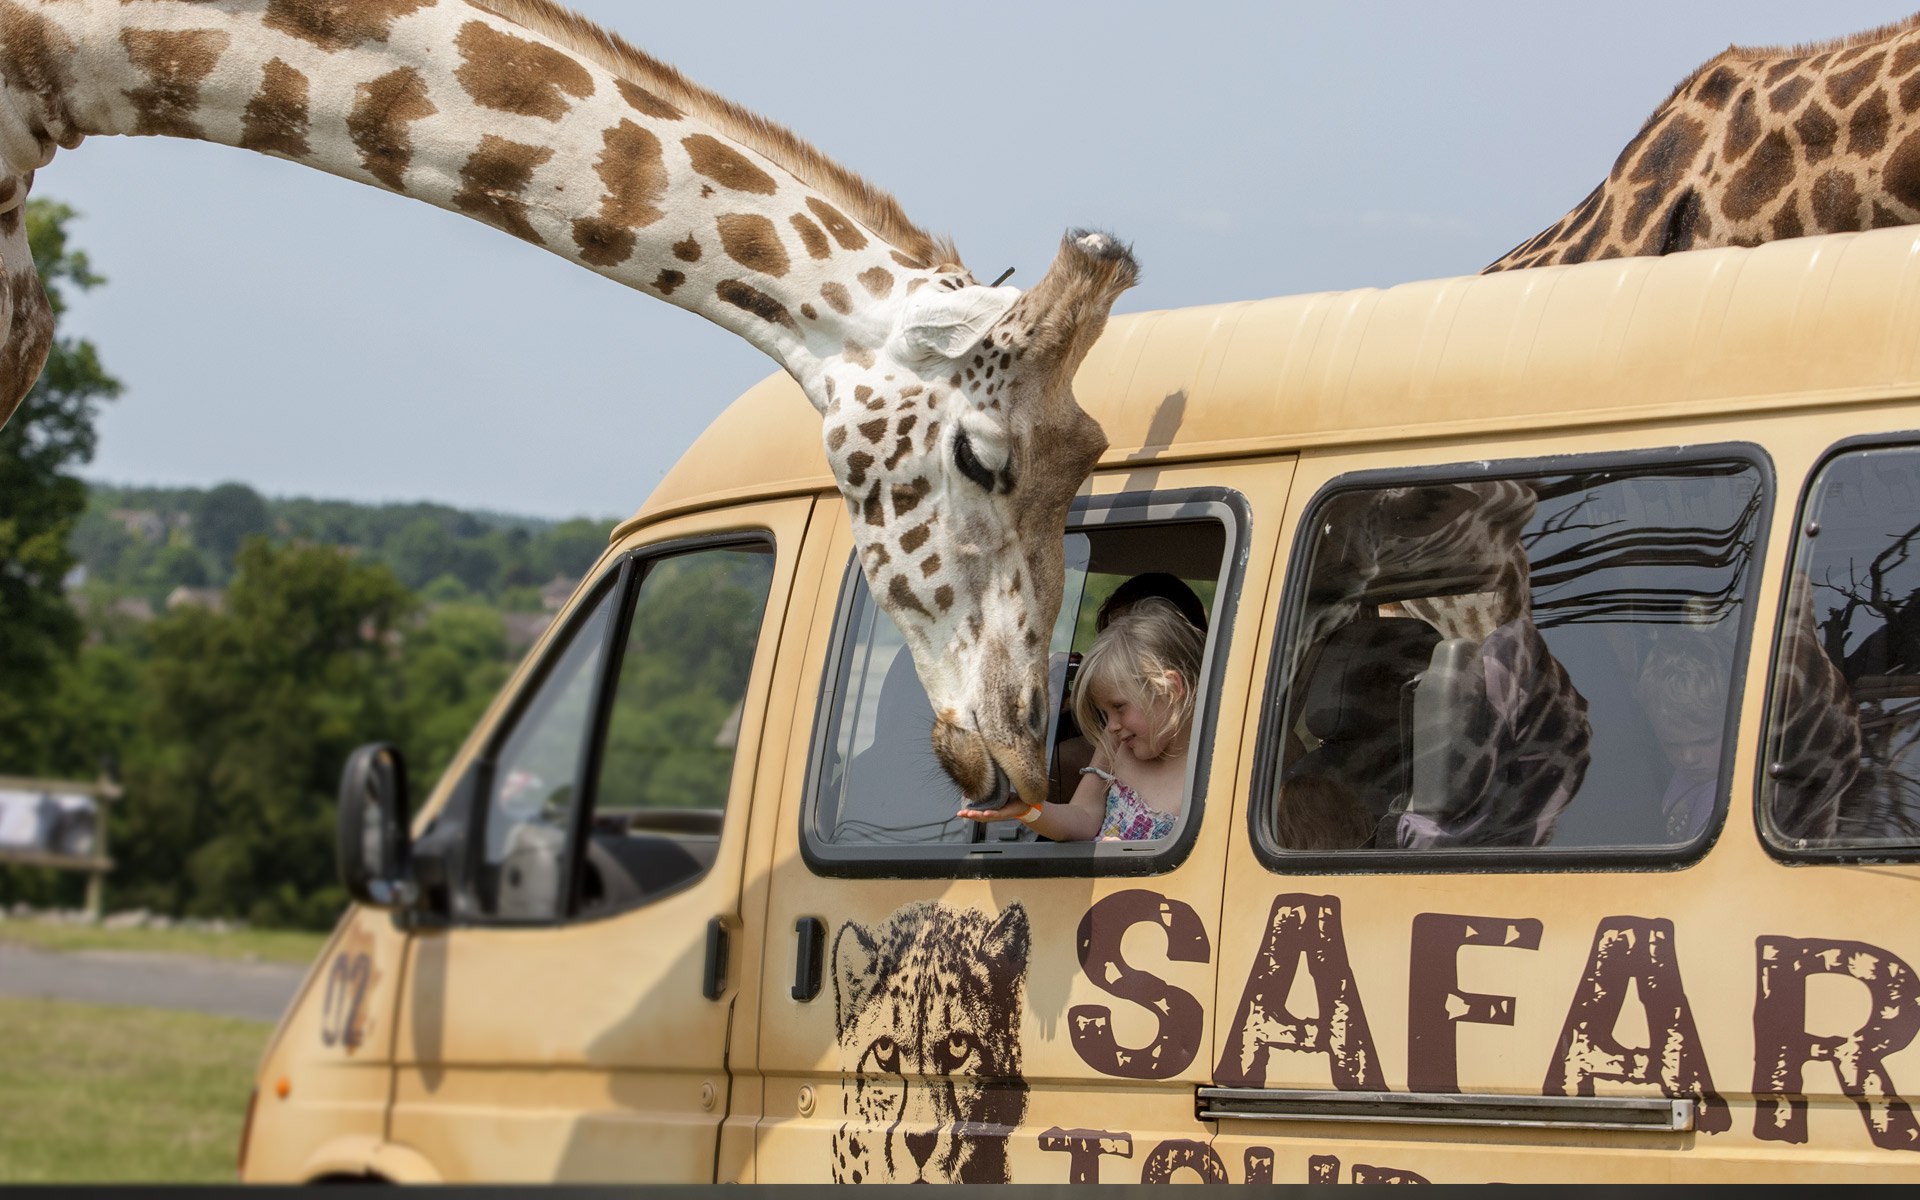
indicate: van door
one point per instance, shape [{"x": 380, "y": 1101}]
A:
[
  {"x": 1500, "y": 887},
  {"x": 946, "y": 1001},
  {"x": 571, "y": 1021}
]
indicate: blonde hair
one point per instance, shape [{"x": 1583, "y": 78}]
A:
[
  {"x": 1131, "y": 659},
  {"x": 1684, "y": 682}
]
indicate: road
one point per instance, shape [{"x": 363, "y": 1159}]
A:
[{"x": 253, "y": 991}]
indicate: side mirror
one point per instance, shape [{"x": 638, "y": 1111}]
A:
[{"x": 374, "y": 846}]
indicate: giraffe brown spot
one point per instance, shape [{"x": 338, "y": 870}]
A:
[
  {"x": 756, "y": 302},
  {"x": 836, "y": 437},
  {"x": 929, "y": 564},
  {"x": 914, "y": 285},
  {"x": 337, "y": 24},
  {"x": 1819, "y": 61},
  {"x": 1760, "y": 179},
  {"x": 174, "y": 62},
  {"x": 1781, "y": 69},
  {"x": 878, "y": 281},
  {"x": 1818, "y": 131},
  {"x": 1844, "y": 87},
  {"x": 1850, "y": 53},
  {"x": 726, "y": 166},
  {"x": 1905, "y": 59},
  {"x": 1717, "y": 88},
  {"x": 275, "y": 120},
  {"x": 687, "y": 251},
  {"x": 901, "y": 593},
  {"x": 873, "y": 430},
  {"x": 907, "y": 496},
  {"x": 1835, "y": 200},
  {"x": 1786, "y": 222},
  {"x": 909, "y": 392},
  {"x": 492, "y": 180},
  {"x": 1743, "y": 127},
  {"x": 644, "y": 101},
  {"x": 635, "y": 177},
  {"x": 916, "y": 537},
  {"x": 1884, "y": 216},
  {"x": 1910, "y": 93},
  {"x": 910, "y": 263},
  {"x": 666, "y": 281},
  {"x": 1867, "y": 128},
  {"x": 901, "y": 449},
  {"x": 1583, "y": 249},
  {"x": 752, "y": 241},
  {"x": 837, "y": 297},
  {"x": 874, "y": 512},
  {"x": 860, "y": 393},
  {"x": 857, "y": 464},
  {"x": 511, "y": 74},
  {"x": 811, "y": 236},
  {"x": 856, "y": 353},
  {"x": 1659, "y": 170},
  {"x": 382, "y": 110},
  {"x": 844, "y": 231},
  {"x": 34, "y": 58},
  {"x": 878, "y": 556},
  {"x": 907, "y": 422},
  {"x": 943, "y": 596},
  {"x": 807, "y": 311},
  {"x": 1783, "y": 98}
]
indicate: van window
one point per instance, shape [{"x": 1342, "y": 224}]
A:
[
  {"x": 1842, "y": 766},
  {"x": 1531, "y": 667},
  {"x": 610, "y": 787},
  {"x": 879, "y": 798}
]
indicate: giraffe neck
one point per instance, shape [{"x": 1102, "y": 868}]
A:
[
  {"x": 456, "y": 106},
  {"x": 1759, "y": 145}
]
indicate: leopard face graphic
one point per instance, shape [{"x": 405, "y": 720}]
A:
[{"x": 928, "y": 1008}]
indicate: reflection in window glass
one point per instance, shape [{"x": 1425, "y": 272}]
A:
[
  {"x": 534, "y": 779},
  {"x": 1522, "y": 663},
  {"x": 674, "y": 725},
  {"x": 1843, "y": 750}
]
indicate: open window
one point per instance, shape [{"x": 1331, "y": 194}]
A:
[
  {"x": 608, "y": 787},
  {"x": 1483, "y": 667},
  {"x": 878, "y": 802}
]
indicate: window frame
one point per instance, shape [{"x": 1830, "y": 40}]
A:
[
  {"x": 1037, "y": 860},
  {"x": 623, "y": 578},
  {"x": 1763, "y": 746},
  {"x": 1498, "y": 860}
]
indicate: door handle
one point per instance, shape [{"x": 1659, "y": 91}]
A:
[
  {"x": 715, "y": 981},
  {"x": 809, "y": 957}
]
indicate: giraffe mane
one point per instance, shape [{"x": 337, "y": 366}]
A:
[
  {"x": 1794, "y": 50},
  {"x": 872, "y": 206}
]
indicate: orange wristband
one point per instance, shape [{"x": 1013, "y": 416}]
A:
[{"x": 1030, "y": 816}]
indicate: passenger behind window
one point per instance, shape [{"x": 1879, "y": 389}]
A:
[
  {"x": 1318, "y": 813},
  {"x": 1135, "y": 696},
  {"x": 1683, "y": 688},
  {"x": 1073, "y": 751}
]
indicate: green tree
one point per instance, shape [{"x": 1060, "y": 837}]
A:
[
  {"x": 249, "y": 715},
  {"x": 225, "y": 517},
  {"x": 51, "y": 432}
]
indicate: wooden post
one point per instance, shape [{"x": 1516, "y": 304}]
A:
[{"x": 104, "y": 792}]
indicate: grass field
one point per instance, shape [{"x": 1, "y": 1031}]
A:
[
  {"x": 268, "y": 945},
  {"x": 100, "y": 1094}
]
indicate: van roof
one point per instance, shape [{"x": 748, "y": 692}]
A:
[{"x": 1809, "y": 321}]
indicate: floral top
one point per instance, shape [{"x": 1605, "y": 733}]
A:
[{"x": 1129, "y": 818}]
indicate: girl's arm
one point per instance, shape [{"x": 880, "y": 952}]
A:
[{"x": 1078, "y": 820}]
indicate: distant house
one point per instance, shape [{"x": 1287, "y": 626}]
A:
[
  {"x": 136, "y": 607},
  {"x": 524, "y": 629},
  {"x": 558, "y": 591},
  {"x": 199, "y": 597}
]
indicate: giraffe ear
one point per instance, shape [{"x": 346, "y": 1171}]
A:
[{"x": 948, "y": 324}]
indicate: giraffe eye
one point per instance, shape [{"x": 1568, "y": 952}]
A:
[{"x": 969, "y": 463}]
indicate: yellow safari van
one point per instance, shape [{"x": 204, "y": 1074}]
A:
[{"x": 1553, "y": 809}]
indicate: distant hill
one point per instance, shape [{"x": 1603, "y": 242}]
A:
[{"x": 144, "y": 542}]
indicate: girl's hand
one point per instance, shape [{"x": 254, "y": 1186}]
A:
[{"x": 1012, "y": 810}]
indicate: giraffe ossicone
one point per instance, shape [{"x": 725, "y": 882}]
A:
[{"x": 947, "y": 408}]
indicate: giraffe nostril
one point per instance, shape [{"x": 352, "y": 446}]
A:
[
  {"x": 1037, "y": 711},
  {"x": 920, "y": 1145}
]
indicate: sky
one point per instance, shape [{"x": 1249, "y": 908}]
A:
[{"x": 311, "y": 336}]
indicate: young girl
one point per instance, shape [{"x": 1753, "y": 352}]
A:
[{"x": 1134, "y": 698}]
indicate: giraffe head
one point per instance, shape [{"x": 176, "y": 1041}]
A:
[{"x": 958, "y": 445}]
